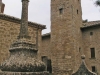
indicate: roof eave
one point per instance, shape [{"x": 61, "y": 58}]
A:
[
  {"x": 95, "y": 25},
  {"x": 17, "y": 20},
  {"x": 46, "y": 35}
]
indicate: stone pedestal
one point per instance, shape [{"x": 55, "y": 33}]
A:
[
  {"x": 24, "y": 73},
  {"x": 23, "y": 60}
]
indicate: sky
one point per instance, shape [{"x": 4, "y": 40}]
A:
[{"x": 39, "y": 11}]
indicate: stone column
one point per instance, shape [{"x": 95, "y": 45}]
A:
[
  {"x": 0, "y": 5},
  {"x": 22, "y": 60},
  {"x": 24, "y": 20}
]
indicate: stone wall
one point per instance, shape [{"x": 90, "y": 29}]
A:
[
  {"x": 66, "y": 20},
  {"x": 92, "y": 41},
  {"x": 45, "y": 47},
  {"x": 8, "y": 34},
  {"x": 66, "y": 42},
  {"x": 77, "y": 34}
]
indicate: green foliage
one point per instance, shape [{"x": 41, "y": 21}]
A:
[{"x": 97, "y": 2}]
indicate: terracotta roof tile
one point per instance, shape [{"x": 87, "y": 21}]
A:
[
  {"x": 85, "y": 25},
  {"x": 91, "y": 24}
]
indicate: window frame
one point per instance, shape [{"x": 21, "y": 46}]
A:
[
  {"x": 61, "y": 10},
  {"x": 92, "y": 50},
  {"x": 93, "y": 69}
]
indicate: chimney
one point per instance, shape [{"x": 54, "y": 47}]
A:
[{"x": 2, "y": 6}]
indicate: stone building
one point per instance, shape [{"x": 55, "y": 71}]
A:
[
  {"x": 9, "y": 30},
  {"x": 69, "y": 38}
]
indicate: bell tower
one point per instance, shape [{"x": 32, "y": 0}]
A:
[{"x": 66, "y": 20}]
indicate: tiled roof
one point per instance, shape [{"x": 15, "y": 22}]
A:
[
  {"x": 91, "y": 24},
  {"x": 85, "y": 25},
  {"x": 17, "y": 20},
  {"x": 47, "y": 34}
]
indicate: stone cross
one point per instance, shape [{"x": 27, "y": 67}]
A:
[{"x": 24, "y": 20}]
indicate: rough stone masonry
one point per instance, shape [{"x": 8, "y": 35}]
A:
[{"x": 22, "y": 60}]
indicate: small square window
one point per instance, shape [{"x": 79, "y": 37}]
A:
[
  {"x": 91, "y": 33},
  {"x": 44, "y": 58},
  {"x": 61, "y": 11}
]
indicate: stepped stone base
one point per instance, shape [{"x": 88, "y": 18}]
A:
[{"x": 24, "y": 73}]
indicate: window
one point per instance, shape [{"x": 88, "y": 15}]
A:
[
  {"x": 93, "y": 69},
  {"x": 61, "y": 11},
  {"x": 77, "y": 11},
  {"x": 91, "y": 33},
  {"x": 79, "y": 49},
  {"x": 92, "y": 52},
  {"x": 48, "y": 63},
  {"x": 49, "y": 66}
]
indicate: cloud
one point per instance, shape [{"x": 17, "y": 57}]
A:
[
  {"x": 39, "y": 11},
  {"x": 90, "y": 11}
]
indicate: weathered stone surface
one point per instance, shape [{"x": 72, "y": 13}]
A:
[
  {"x": 24, "y": 20},
  {"x": 8, "y": 34},
  {"x": 24, "y": 73},
  {"x": 2, "y": 5},
  {"x": 66, "y": 38},
  {"x": 83, "y": 70},
  {"x": 23, "y": 60},
  {"x": 66, "y": 43},
  {"x": 92, "y": 41},
  {"x": 22, "y": 53}
]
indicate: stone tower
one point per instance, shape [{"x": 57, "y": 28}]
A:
[
  {"x": 66, "y": 20},
  {"x": 1, "y": 7}
]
